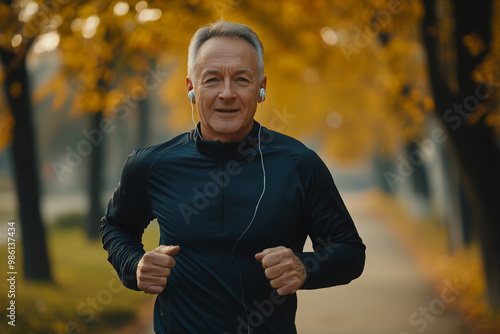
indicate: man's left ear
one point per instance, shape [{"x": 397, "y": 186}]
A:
[
  {"x": 262, "y": 90},
  {"x": 190, "y": 90}
]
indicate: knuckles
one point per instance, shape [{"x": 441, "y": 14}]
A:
[
  {"x": 151, "y": 285},
  {"x": 154, "y": 257},
  {"x": 285, "y": 252},
  {"x": 275, "y": 284},
  {"x": 148, "y": 257},
  {"x": 170, "y": 262},
  {"x": 288, "y": 265},
  {"x": 281, "y": 254},
  {"x": 151, "y": 289},
  {"x": 144, "y": 267}
]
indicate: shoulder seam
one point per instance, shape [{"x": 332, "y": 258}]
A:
[
  {"x": 154, "y": 161},
  {"x": 293, "y": 163}
]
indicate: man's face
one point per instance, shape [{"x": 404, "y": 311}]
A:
[{"x": 226, "y": 85}]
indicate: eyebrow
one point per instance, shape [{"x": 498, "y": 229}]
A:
[
  {"x": 216, "y": 72},
  {"x": 243, "y": 71}
]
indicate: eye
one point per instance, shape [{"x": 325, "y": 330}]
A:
[
  {"x": 242, "y": 79},
  {"x": 211, "y": 79}
]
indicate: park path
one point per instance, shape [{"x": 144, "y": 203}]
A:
[{"x": 391, "y": 297}]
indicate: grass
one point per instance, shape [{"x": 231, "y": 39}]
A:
[
  {"x": 86, "y": 295},
  {"x": 427, "y": 240}
]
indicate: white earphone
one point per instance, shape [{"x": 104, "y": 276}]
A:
[
  {"x": 262, "y": 93},
  {"x": 191, "y": 97}
]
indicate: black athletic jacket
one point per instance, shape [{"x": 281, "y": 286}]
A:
[{"x": 204, "y": 195}]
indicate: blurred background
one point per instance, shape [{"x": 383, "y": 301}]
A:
[{"x": 400, "y": 98}]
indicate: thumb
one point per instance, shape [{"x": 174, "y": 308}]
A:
[
  {"x": 261, "y": 255},
  {"x": 168, "y": 250}
]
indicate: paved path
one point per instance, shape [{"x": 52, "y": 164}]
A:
[
  {"x": 390, "y": 293},
  {"x": 391, "y": 297}
]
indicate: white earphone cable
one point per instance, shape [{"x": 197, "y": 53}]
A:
[
  {"x": 194, "y": 122},
  {"x": 253, "y": 218}
]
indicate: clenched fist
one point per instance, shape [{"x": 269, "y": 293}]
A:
[
  {"x": 284, "y": 270},
  {"x": 154, "y": 268}
]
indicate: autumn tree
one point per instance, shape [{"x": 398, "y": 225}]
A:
[
  {"x": 97, "y": 37},
  {"x": 464, "y": 95},
  {"x": 111, "y": 54},
  {"x": 19, "y": 28}
]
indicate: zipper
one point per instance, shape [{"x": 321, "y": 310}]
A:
[{"x": 219, "y": 183}]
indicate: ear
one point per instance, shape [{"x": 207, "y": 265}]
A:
[
  {"x": 263, "y": 84},
  {"x": 189, "y": 86}
]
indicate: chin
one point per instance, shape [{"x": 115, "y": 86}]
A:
[
  {"x": 228, "y": 129},
  {"x": 235, "y": 129}
]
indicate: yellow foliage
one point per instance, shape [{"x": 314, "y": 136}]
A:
[
  {"x": 58, "y": 87},
  {"x": 489, "y": 72},
  {"x": 15, "y": 89},
  {"x": 90, "y": 101},
  {"x": 112, "y": 101},
  {"x": 428, "y": 103},
  {"x": 174, "y": 95},
  {"x": 4, "y": 11},
  {"x": 473, "y": 43},
  {"x": 371, "y": 71},
  {"x": 493, "y": 120}
]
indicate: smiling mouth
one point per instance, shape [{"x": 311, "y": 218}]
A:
[{"x": 226, "y": 111}]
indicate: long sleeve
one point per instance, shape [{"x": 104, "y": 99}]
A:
[
  {"x": 339, "y": 253},
  {"x": 127, "y": 215}
]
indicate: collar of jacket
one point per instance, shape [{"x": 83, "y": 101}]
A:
[{"x": 218, "y": 149}]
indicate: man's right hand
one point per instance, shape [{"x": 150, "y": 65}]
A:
[{"x": 154, "y": 268}]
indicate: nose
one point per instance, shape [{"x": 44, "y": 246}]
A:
[{"x": 227, "y": 91}]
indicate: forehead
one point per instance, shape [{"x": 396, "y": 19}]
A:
[{"x": 226, "y": 52}]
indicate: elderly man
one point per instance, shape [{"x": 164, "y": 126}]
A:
[{"x": 235, "y": 203}]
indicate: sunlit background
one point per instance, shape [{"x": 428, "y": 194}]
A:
[{"x": 400, "y": 98}]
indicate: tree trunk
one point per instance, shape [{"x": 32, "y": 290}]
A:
[
  {"x": 35, "y": 257},
  {"x": 458, "y": 217},
  {"x": 473, "y": 145},
  {"x": 466, "y": 216},
  {"x": 95, "y": 181}
]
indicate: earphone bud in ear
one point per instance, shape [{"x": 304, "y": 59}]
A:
[
  {"x": 191, "y": 97},
  {"x": 262, "y": 93}
]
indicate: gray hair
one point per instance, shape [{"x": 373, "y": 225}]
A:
[{"x": 223, "y": 28}]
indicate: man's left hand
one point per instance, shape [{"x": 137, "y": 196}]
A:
[{"x": 284, "y": 270}]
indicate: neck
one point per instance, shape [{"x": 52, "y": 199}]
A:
[{"x": 210, "y": 134}]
